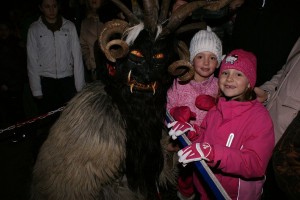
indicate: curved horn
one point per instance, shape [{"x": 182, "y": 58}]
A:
[
  {"x": 192, "y": 26},
  {"x": 214, "y": 6},
  {"x": 164, "y": 11},
  {"x": 117, "y": 49},
  {"x": 179, "y": 15},
  {"x": 151, "y": 8},
  {"x": 131, "y": 17},
  {"x": 136, "y": 9},
  {"x": 183, "y": 67},
  {"x": 183, "y": 51},
  {"x": 113, "y": 48}
]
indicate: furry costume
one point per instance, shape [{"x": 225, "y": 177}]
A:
[{"x": 110, "y": 141}]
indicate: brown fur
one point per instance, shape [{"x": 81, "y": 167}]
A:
[{"x": 84, "y": 154}]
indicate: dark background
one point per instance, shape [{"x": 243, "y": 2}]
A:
[{"x": 268, "y": 31}]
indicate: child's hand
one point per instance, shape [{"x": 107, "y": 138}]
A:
[
  {"x": 178, "y": 128},
  {"x": 182, "y": 113},
  {"x": 195, "y": 152},
  {"x": 205, "y": 102}
]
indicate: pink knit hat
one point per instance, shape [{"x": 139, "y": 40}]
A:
[{"x": 243, "y": 61}]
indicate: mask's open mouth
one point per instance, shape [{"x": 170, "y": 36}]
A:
[{"x": 133, "y": 84}]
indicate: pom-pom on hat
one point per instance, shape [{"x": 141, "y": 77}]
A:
[
  {"x": 206, "y": 40},
  {"x": 243, "y": 61}
]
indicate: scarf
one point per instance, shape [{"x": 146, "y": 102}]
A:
[{"x": 53, "y": 26}]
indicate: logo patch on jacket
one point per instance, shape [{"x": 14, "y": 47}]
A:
[{"x": 231, "y": 59}]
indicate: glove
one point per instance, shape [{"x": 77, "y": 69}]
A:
[
  {"x": 205, "y": 102},
  {"x": 182, "y": 113},
  {"x": 178, "y": 128},
  {"x": 195, "y": 152}
]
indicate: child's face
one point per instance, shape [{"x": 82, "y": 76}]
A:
[
  {"x": 233, "y": 83},
  {"x": 205, "y": 64}
]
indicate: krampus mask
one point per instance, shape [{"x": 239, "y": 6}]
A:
[{"x": 110, "y": 141}]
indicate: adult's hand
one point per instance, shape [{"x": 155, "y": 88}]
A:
[{"x": 261, "y": 95}]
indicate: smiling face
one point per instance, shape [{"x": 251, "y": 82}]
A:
[
  {"x": 233, "y": 84},
  {"x": 205, "y": 63}
]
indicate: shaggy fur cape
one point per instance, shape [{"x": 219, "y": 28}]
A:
[
  {"x": 84, "y": 156},
  {"x": 110, "y": 141}
]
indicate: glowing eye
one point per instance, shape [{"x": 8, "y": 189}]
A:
[
  {"x": 159, "y": 56},
  {"x": 137, "y": 53}
]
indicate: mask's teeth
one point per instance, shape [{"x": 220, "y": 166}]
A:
[
  {"x": 129, "y": 76},
  {"x": 131, "y": 87},
  {"x": 153, "y": 87}
]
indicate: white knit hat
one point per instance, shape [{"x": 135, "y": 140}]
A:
[{"x": 206, "y": 40}]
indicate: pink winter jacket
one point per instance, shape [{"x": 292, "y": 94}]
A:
[
  {"x": 242, "y": 137},
  {"x": 185, "y": 95}
]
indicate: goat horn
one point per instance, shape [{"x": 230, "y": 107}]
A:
[
  {"x": 191, "y": 26},
  {"x": 183, "y": 69},
  {"x": 179, "y": 15},
  {"x": 117, "y": 52},
  {"x": 113, "y": 28},
  {"x": 151, "y": 8},
  {"x": 183, "y": 51},
  {"x": 214, "y": 6},
  {"x": 136, "y": 9},
  {"x": 131, "y": 17},
  {"x": 164, "y": 11}
]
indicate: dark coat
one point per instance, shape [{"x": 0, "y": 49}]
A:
[{"x": 286, "y": 160}]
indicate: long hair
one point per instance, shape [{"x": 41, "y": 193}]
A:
[{"x": 248, "y": 95}]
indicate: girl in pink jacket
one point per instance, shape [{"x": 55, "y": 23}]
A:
[
  {"x": 205, "y": 56},
  {"x": 236, "y": 137}
]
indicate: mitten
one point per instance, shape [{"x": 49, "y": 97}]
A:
[
  {"x": 193, "y": 135},
  {"x": 205, "y": 102},
  {"x": 178, "y": 128},
  {"x": 196, "y": 152},
  {"x": 182, "y": 113}
]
